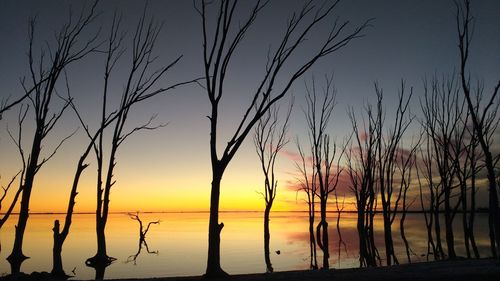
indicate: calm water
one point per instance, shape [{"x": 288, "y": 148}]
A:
[{"x": 180, "y": 243}]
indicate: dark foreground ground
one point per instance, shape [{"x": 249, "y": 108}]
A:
[{"x": 471, "y": 270}]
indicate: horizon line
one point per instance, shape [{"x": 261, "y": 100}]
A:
[{"x": 478, "y": 210}]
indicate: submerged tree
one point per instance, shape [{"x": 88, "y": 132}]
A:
[
  {"x": 45, "y": 73},
  {"x": 442, "y": 110},
  {"x": 464, "y": 153},
  {"x": 219, "y": 45},
  {"x": 58, "y": 234},
  {"x": 484, "y": 119},
  {"x": 323, "y": 153},
  {"x": 406, "y": 163},
  {"x": 308, "y": 185},
  {"x": 139, "y": 85},
  {"x": 389, "y": 148},
  {"x": 269, "y": 139},
  {"x": 361, "y": 167}
]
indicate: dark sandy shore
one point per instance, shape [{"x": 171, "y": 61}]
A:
[{"x": 470, "y": 270}]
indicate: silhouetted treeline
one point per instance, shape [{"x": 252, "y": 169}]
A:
[{"x": 392, "y": 163}]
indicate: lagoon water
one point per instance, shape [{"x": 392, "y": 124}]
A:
[{"x": 178, "y": 245}]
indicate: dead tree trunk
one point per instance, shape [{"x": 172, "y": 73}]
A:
[
  {"x": 267, "y": 238},
  {"x": 219, "y": 45},
  {"x": 214, "y": 228},
  {"x": 361, "y": 165},
  {"x": 269, "y": 139},
  {"x": 429, "y": 211},
  {"x": 482, "y": 120},
  {"x": 324, "y": 154},
  {"x": 67, "y": 50},
  {"x": 388, "y": 148},
  {"x": 60, "y": 236},
  {"x": 406, "y": 164},
  {"x": 443, "y": 112},
  {"x": 140, "y": 84},
  {"x": 309, "y": 187}
]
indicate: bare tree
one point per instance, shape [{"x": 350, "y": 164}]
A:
[
  {"x": 361, "y": 168},
  {"x": 140, "y": 84},
  {"x": 61, "y": 235},
  {"x": 442, "y": 111},
  {"x": 318, "y": 115},
  {"x": 308, "y": 185},
  {"x": 465, "y": 157},
  {"x": 218, "y": 50},
  {"x": 388, "y": 148},
  {"x": 406, "y": 165},
  {"x": 269, "y": 139},
  {"x": 424, "y": 172},
  {"x": 483, "y": 116},
  {"x": 45, "y": 73}
]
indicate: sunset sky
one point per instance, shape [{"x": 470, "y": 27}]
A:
[{"x": 169, "y": 169}]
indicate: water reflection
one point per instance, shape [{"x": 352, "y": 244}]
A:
[
  {"x": 183, "y": 246},
  {"x": 142, "y": 237}
]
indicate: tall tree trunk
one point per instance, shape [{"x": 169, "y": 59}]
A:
[
  {"x": 493, "y": 217},
  {"x": 363, "y": 253},
  {"x": 17, "y": 257},
  {"x": 402, "y": 230},
  {"x": 389, "y": 245},
  {"x": 101, "y": 241},
  {"x": 322, "y": 235},
  {"x": 437, "y": 229},
  {"x": 473, "y": 215},
  {"x": 448, "y": 220},
  {"x": 267, "y": 237},
  {"x": 57, "y": 267},
  {"x": 214, "y": 228},
  {"x": 465, "y": 225},
  {"x": 312, "y": 240}
]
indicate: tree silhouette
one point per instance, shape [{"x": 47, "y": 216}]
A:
[
  {"x": 139, "y": 84},
  {"x": 326, "y": 174},
  {"x": 67, "y": 49},
  {"x": 61, "y": 235},
  {"x": 221, "y": 37},
  {"x": 442, "y": 110},
  {"x": 406, "y": 166},
  {"x": 425, "y": 171},
  {"x": 468, "y": 167},
  {"x": 361, "y": 168},
  {"x": 388, "y": 149},
  {"x": 269, "y": 139},
  {"x": 483, "y": 116},
  {"x": 308, "y": 185}
]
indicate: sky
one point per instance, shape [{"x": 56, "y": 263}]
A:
[{"x": 169, "y": 169}]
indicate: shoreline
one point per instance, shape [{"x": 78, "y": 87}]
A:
[
  {"x": 484, "y": 269},
  {"x": 461, "y": 269}
]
